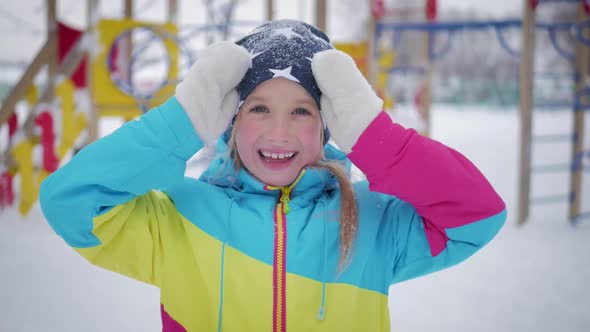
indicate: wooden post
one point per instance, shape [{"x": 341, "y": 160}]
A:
[
  {"x": 52, "y": 61},
  {"x": 527, "y": 57},
  {"x": 269, "y": 10},
  {"x": 430, "y": 14},
  {"x": 427, "y": 84},
  {"x": 127, "y": 43},
  {"x": 92, "y": 14},
  {"x": 371, "y": 51},
  {"x": 26, "y": 81},
  {"x": 128, "y": 9},
  {"x": 52, "y": 65},
  {"x": 582, "y": 66},
  {"x": 320, "y": 15},
  {"x": 172, "y": 11}
]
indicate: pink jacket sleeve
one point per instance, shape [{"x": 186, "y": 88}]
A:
[{"x": 444, "y": 187}]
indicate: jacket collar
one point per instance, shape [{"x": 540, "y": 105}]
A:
[{"x": 310, "y": 185}]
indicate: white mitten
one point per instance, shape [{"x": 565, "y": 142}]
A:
[
  {"x": 208, "y": 92},
  {"x": 348, "y": 102}
]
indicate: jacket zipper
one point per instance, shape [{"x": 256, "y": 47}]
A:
[
  {"x": 280, "y": 255},
  {"x": 279, "y": 281}
]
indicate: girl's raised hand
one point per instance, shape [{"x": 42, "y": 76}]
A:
[
  {"x": 208, "y": 92},
  {"x": 348, "y": 102}
]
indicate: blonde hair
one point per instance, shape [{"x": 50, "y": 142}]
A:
[{"x": 348, "y": 208}]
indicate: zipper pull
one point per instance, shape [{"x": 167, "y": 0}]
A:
[{"x": 285, "y": 199}]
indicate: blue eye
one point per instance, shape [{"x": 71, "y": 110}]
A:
[
  {"x": 302, "y": 111},
  {"x": 259, "y": 109}
]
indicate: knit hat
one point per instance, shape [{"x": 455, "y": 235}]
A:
[{"x": 283, "y": 48}]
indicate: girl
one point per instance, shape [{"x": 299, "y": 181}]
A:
[{"x": 273, "y": 236}]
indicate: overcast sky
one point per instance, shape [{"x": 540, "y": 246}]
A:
[{"x": 22, "y": 22}]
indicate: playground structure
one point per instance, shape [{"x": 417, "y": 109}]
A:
[
  {"x": 581, "y": 103},
  {"x": 102, "y": 62},
  {"x": 91, "y": 74},
  {"x": 55, "y": 117},
  {"x": 393, "y": 32}
]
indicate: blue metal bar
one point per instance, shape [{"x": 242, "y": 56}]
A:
[
  {"x": 578, "y": 28},
  {"x": 550, "y": 199},
  {"x": 578, "y": 103},
  {"x": 585, "y": 91},
  {"x": 444, "y": 50},
  {"x": 448, "y": 26},
  {"x": 580, "y": 216},
  {"x": 578, "y": 160},
  {"x": 554, "y": 25},
  {"x": 499, "y": 26},
  {"x": 504, "y": 44},
  {"x": 581, "y": 108},
  {"x": 407, "y": 69},
  {"x": 553, "y": 138},
  {"x": 551, "y": 168},
  {"x": 553, "y": 105},
  {"x": 550, "y": 75},
  {"x": 553, "y": 37},
  {"x": 477, "y": 25},
  {"x": 397, "y": 38}
]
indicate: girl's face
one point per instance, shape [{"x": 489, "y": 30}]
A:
[{"x": 278, "y": 131}]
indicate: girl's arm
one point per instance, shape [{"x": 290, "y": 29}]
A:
[
  {"x": 454, "y": 210},
  {"x": 447, "y": 210},
  {"x": 102, "y": 202}
]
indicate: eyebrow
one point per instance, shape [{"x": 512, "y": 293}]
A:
[
  {"x": 308, "y": 101},
  {"x": 254, "y": 97}
]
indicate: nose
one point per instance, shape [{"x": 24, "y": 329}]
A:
[{"x": 279, "y": 129}]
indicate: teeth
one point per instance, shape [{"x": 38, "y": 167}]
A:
[{"x": 273, "y": 155}]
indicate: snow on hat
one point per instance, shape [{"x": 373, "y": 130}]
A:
[{"x": 283, "y": 48}]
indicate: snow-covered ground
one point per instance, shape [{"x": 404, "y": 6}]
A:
[{"x": 531, "y": 278}]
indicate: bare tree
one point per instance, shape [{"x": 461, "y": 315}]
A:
[{"x": 220, "y": 14}]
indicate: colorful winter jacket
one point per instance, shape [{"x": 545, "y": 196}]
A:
[{"x": 232, "y": 254}]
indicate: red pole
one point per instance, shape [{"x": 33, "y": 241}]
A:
[{"x": 431, "y": 10}]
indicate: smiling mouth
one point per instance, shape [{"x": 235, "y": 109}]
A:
[{"x": 273, "y": 156}]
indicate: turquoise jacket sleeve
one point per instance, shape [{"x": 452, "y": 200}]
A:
[{"x": 146, "y": 154}]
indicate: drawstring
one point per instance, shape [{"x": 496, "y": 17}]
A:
[
  {"x": 324, "y": 263},
  {"x": 220, "y": 311},
  {"x": 222, "y": 268}
]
